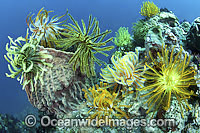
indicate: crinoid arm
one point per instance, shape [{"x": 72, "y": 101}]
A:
[
  {"x": 88, "y": 41},
  {"x": 169, "y": 77},
  {"x": 103, "y": 100},
  {"x": 126, "y": 70},
  {"x": 42, "y": 25},
  {"x": 26, "y": 61},
  {"x": 149, "y": 9}
]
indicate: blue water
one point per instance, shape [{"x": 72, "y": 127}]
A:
[{"x": 111, "y": 14}]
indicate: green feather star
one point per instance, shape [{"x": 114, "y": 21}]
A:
[
  {"x": 87, "y": 41},
  {"x": 26, "y": 61}
]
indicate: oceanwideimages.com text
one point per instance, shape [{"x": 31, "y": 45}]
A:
[{"x": 46, "y": 121}]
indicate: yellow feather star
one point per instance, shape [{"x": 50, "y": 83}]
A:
[
  {"x": 104, "y": 101},
  {"x": 171, "y": 76},
  {"x": 149, "y": 9}
]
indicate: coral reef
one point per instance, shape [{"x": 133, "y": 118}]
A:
[
  {"x": 169, "y": 18},
  {"x": 165, "y": 29},
  {"x": 174, "y": 113},
  {"x": 194, "y": 125},
  {"x": 9, "y": 124},
  {"x": 154, "y": 39},
  {"x": 87, "y": 44},
  {"x": 140, "y": 30},
  {"x": 56, "y": 66},
  {"x": 186, "y": 26},
  {"x": 49, "y": 29},
  {"x": 193, "y": 38},
  {"x": 149, "y": 9}
]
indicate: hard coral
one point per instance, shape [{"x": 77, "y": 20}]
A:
[
  {"x": 49, "y": 28},
  {"x": 126, "y": 71},
  {"x": 87, "y": 44},
  {"x": 193, "y": 36},
  {"x": 149, "y": 9},
  {"x": 171, "y": 76},
  {"x": 26, "y": 60},
  {"x": 103, "y": 102}
]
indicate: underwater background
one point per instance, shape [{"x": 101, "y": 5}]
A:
[{"x": 111, "y": 14}]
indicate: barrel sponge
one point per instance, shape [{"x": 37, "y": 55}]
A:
[{"x": 61, "y": 91}]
